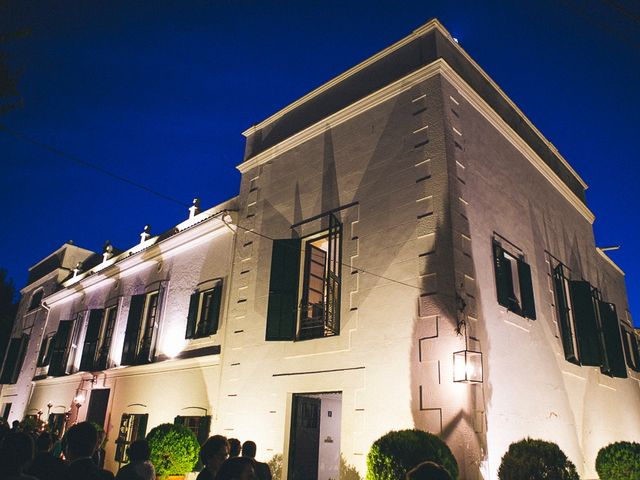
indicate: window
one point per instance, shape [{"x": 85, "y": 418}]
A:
[
  {"x": 132, "y": 427},
  {"x": 142, "y": 327},
  {"x": 589, "y": 326},
  {"x": 91, "y": 338},
  {"x": 513, "y": 282},
  {"x": 6, "y": 410},
  {"x": 204, "y": 312},
  {"x": 199, "y": 425},
  {"x": 631, "y": 351},
  {"x": 60, "y": 351},
  {"x": 57, "y": 423},
  {"x": 106, "y": 335},
  {"x": 44, "y": 357},
  {"x": 36, "y": 298},
  {"x": 318, "y": 313},
  {"x": 14, "y": 359}
]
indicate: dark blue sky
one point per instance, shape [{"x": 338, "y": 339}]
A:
[{"x": 160, "y": 92}]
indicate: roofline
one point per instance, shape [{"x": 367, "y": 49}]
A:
[
  {"x": 608, "y": 259},
  {"x": 433, "y": 24},
  {"x": 64, "y": 245}
]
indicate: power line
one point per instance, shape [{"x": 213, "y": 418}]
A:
[
  {"x": 73, "y": 158},
  {"x": 51, "y": 149},
  {"x": 622, "y": 9}
]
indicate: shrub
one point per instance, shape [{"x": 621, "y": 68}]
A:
[
  {"x": 174, "y": 449},
  {"x": 536, "y": 460},
  {"x": 275, "y": 465},
  {"x": 397, "y": 452},
  {"x": 619, "y": 461},
  {"x": 347, "y": 471}
]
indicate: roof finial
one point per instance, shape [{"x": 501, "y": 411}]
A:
[
  {"x": 195, "y": 208},
  {"x": 146, "y": 234}
]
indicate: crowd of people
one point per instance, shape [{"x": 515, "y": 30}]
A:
[{"x": 79, "y": 456}]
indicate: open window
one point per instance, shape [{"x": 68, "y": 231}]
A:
[
  {"x": 204, "y": 312},
  {"x": 631, "y": 350},
  {"x": 36, "y": 299},
  {"x": 133, "y": 427},
  {"x": 513, "y": 281},
  {"x": 200, "y": 425},
  {"x": 304, "y": 288},
  {"x": 589, "y": 326},
  {"x": 140, "y": 336},
  {"x": 46, "y": 348}
]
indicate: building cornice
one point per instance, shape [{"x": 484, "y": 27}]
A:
[
  {"x": 141, "y": 256},
  {"x": 439, "y": 66},
  {"x": 609, "y": 261},
  {"x": 431, "y": 25}
]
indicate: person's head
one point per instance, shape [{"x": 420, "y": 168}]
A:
[
  {"x": 428, "y": 471},
  {"x": 214, "y": 452},
  {"x": 15, "y": 425},
  {"x": 249, "y": 449},
  {"x": 16, "y": 452},
  {"x": 44, "y": 442},
  {"x": 238, "y": 468},
  {"x": 234, "y": 447},
  {"x": 81, "y": 441},
  {"x": 139, "y": 451}
]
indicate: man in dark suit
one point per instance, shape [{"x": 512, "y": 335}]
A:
[
  {"x": 262, "y": 469},
  {"x": 82, "y": 440}
]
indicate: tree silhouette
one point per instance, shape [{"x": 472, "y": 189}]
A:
[
  {"x": 8, "y": 310},
  {"x": 10, "y": 98}
]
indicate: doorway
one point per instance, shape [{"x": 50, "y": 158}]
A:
[
  {"x": 98, "y": 402},
  {"x": 314, "y": 452}
]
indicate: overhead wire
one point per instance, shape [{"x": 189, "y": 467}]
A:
[{"x": 73, "y": 158}]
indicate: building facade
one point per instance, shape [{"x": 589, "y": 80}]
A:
[{"x": 406, "y": 251}]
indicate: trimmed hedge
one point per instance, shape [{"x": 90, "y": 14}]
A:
[
  {"x": 536, "y": 460},
  {"x": 619, "y": 461},
  {"x": 397, "y": 452},
  {"x": 174, "y": 449}
]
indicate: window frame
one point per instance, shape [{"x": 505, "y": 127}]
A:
[
  {"x": 513, "y": 278},
  {"x": 39, "y": 295},
  {"x": 130, "y": 424}
]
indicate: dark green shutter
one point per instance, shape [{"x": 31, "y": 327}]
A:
[
  {"x": 562, "y": 309},
  {"x": 504, "y": 283},
  {"x": 615, "y": 365},
  {"x": 586, "y": 323},
  {"x": 635, "y": 352},
  {"x": 91, "y": 340},
  {"x": 132, "y": 332},
  {"x": 57, "y": 365},
  {"x": 142, "y": 427},
  {"x": 102, "y": 360},
  {"x": 13, "y": 352},
  {"x": 193, "y": 315},
  {"x": 204, "y": 426},
  {"x": 24, "y": 343},
  {"x": 121, "y": 441},
  {"x": 214, "y": 310},
  {"x": 282, "y": 310},
  {"x": 526, "y": 290}
]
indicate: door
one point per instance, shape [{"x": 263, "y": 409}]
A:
[
  {"x": 305, "y": 438},
  {"x": 98, "y": 406}
]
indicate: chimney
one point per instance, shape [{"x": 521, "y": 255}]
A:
[
  {"x": 107, "y": 251},
  {"x": 77, "y": 269},
  {"x": 195, "y": 208},
  {"x": 146, "y": 233}
]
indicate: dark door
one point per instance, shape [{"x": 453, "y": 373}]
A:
[
  {"x": 98, "y": 406},
  {"x": 305, "y": 438}
]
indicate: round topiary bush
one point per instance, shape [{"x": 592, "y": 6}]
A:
[
  {"x": 174, "y": 449},
  {"x": 536, "y": 460},
  {"x": 397, "y": 452},
  {"x": 619, "y": 461}
]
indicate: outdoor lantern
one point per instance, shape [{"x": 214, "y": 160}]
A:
[{"x": 467, "y": 366}]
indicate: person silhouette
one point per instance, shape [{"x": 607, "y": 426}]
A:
[{"x": 263, "y": 472}]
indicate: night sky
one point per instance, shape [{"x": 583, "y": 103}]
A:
[{"x": 159, "y": 92}]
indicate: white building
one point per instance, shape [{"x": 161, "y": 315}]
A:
[{"x": 401, "y": 227}]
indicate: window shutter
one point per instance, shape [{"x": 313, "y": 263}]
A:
[
  {"x": 24, "y": 343},
  {"x": 142, "y": 426},
  {"x": 133, "y": 330},
  {"x": 586, "y": 322},
  {"x": 102, "y": 362},
  {"x": 87, "y": 360},
  {"x": 203, "y": 429},
  {"x": 192, "y": 316},
  {"x": 121, "y": 441},
  {"x": 504, "y": 284},
  {"x": 615, "y": 366},
  {"x": 635, "y": 352},
  {"x": 526, "y": 290},
  {"x": 283, "y": 290},
  {"x": 13, "y": 351},
  {"x": 57, "y": 365},
  {"x": 214, "y": 310},
  {"x": 562, "y": 309}
]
